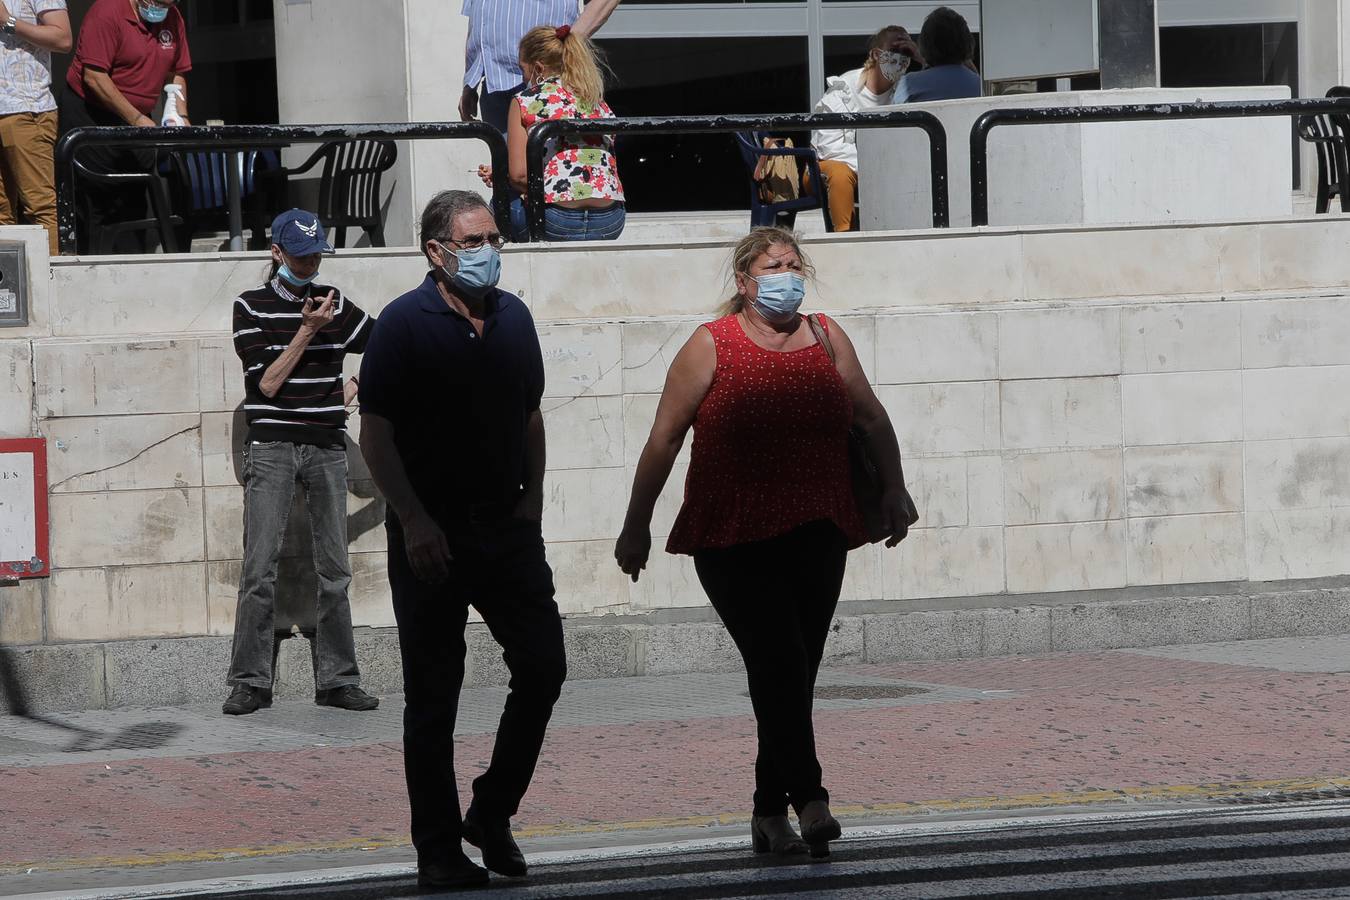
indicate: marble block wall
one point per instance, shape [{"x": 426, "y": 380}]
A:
[{"x": 1079, "y": 409}]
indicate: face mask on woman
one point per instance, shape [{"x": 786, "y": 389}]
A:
[
  {"x": 892, "y": 65},
  {"x": 154, "y": 14},
  {"x": 778, "y": 297},
  {"x": 478, "y": 271}
]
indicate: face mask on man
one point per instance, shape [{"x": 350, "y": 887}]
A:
[
  {"x": 478, "y": 269},
  {"x": 154, "y": 14},
  {"x": 293, "y": 279},
  {"x": 778, "y": 297},
  {"x": 892, "y": 64}
]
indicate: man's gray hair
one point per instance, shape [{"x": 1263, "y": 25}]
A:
[{"x": 438, "y": 218}]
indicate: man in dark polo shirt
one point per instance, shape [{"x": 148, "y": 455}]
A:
[
  {"x": 291, "y": 335},
  {"x": 451, "y": 429},
  {"x": 127, "y": 51}
]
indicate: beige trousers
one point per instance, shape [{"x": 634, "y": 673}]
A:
[{"x": 28, "y": 173}]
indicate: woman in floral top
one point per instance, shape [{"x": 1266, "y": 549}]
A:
[{"x": 581, "y": 177}]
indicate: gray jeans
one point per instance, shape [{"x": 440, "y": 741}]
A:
[{"x": 271, "y": 471}]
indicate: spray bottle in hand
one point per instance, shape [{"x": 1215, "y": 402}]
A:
[{"x": 172, "y": 117}]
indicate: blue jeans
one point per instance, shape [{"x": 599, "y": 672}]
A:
[
  {"x": 271, "y": 470},
  {"x": 564, "y": 224}
]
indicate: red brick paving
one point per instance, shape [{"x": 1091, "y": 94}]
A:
[{"x": 1077, "y": 722}]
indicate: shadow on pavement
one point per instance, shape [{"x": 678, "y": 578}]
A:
[{"x": 141, "y": 736}]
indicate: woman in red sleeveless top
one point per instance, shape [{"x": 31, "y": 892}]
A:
[{"x": 769, "y": 514}]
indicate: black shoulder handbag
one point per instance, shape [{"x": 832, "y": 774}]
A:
[{"x": 862, "y": 471}]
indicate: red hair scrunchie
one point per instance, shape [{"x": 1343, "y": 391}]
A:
[{"x": 563, "y": 31}]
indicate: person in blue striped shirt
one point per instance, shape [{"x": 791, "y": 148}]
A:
[{"x": 491, "y": 63}]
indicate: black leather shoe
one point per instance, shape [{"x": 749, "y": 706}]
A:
[
  {"x": 459, "y": 873},
  {"x": 349, "y": 696},
  {"x": 500, "y": 853},
  {"x": 245, "y": 698}
]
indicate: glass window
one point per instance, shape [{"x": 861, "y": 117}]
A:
[
  {"x": 697, "y": 77},
  {"x": 1232, "y": 55}
]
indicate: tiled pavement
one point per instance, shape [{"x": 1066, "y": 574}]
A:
[{"x": 633, "y": 755}]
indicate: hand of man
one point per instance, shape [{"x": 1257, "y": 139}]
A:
[
  {"x": 468, "y": 104},
  {"x": 530, "y": 507},
  {"x": 899, "y": 513},
  {"x": 911, "y": 49},
  {"x": 315, "y": 318},
  {"x": 4, "y": 12},
  {"x": 428, "y": 550},
  {"x": 632, "y": 549},
  {"x": 144, "y": 121},
  {"x": 485, "y": 173}
]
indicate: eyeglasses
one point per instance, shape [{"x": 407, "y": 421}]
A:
[{"x": 474, "y": 241}]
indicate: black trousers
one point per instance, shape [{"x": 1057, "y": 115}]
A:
[
  {"x": 777, "y": 598},
  {"x": 499, "y": 568},
  {"x": 106, "y": 203}
]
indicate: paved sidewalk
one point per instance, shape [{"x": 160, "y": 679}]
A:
[{"x": 631, "y": 759}]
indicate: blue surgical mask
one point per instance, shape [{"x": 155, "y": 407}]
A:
[
  {"x": 478, "y": 270},
  {"x": 291, "y": 278},
  {"x": 779, "y": 296},
  {"x": 154, "y": 14}
]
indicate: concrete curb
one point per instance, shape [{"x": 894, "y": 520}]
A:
[{"x": 179, "y": 671}]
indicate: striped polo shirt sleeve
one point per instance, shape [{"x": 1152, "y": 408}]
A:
[{"x": 251, "y": 343}]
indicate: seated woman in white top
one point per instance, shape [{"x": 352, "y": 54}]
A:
[{"x": 889, "y": 54}]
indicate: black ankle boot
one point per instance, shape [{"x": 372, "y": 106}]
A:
[{"x": 774, "y": 834}]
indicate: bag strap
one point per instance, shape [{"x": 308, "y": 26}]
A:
[{"x": 823, "y": 337}]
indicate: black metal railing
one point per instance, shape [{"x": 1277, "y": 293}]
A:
[
  {"x": 543, "y": 132},
  {"x": 979, "y": 133},
  {"x": 240, "y": 138}
]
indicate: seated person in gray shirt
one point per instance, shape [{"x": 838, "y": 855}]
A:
[{"x": 948, "y": 50}]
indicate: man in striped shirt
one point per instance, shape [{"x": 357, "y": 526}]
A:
[
  {"x": 492, "y": 52},
  {"x": 292, "y": 335}
]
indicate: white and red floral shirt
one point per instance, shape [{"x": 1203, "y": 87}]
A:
[{"x": 580, "y": 167}]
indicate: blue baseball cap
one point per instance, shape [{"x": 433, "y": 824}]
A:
[{"x": 299, "y": 233}]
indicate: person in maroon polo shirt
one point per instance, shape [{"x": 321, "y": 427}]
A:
[{"x": 127, "y": 51}]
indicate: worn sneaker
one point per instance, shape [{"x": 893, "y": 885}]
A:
[
  {"x": 245, "y": 698},
  {"x": 349, "y": 696}
]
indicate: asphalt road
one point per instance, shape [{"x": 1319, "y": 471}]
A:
[{"x": 1290, "y": 851}]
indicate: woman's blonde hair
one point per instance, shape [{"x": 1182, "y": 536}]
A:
[
  {"x": 750, "y": 248},
  {"x": 880, "y": 40},
  {"x": 571, "y": 56}
]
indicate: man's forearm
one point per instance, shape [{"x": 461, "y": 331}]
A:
[
  {"x": 386, "y": 468},
  {"x": 595, "y": 15},
  {"x": 281, "y": 368},
  {"x": 55, "y": 38},
  {"x": 535, "y": 455},
  {"x": 100, "y": 84}
]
